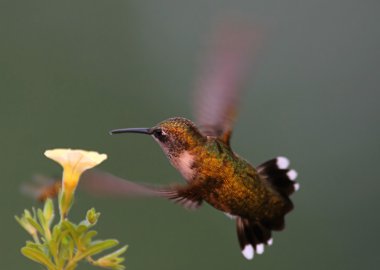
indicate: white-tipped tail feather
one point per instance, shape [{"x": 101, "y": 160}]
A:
[
  {"x": 260, "y": 249},
  {"x": 292, "y": 174},
  {"x": 270, "y": 242},
  {"x": 282, "y": 163},
  {"x": 248, "y": 252},
  {"x": 296, "y": 186}
]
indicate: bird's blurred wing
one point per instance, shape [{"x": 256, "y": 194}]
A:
[
  {"x": 218, "y": 88},
  {"x": 105, "y": 184},
  {"x": 95, "y": 182},
  {"x": 41, "y": 187}
]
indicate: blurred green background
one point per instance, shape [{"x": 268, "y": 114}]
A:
[{"x": 72, "y": 70}]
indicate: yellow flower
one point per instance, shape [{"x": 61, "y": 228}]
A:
[{"x": 74, "y": 163}]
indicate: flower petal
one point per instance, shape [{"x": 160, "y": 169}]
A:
[{"x": 80, "y": 159}]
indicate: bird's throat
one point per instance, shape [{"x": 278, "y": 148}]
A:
[{"x": 184, "y": 164}]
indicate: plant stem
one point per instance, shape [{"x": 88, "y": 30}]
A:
[{"x": 35, "y": 238}]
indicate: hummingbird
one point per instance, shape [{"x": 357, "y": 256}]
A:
[{"x": 257, "y": 198}]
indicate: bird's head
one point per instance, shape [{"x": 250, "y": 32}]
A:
[{"x": 174, "y": 135}]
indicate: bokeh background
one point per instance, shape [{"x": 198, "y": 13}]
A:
[{"x": 72, "y": 70}]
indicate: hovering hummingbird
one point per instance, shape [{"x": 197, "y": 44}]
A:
[{"x": 256, "y": 197}]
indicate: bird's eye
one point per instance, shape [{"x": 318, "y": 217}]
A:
[{"x": 160, "y": 135}]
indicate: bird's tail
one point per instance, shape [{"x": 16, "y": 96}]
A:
[
  {"x": 253, "y": 235},
  {"x": 276, "y": 171}
]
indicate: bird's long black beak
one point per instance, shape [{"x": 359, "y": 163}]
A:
[{"x": 131, "y": 130}]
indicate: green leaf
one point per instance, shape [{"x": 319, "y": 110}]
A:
[
  {"x": 44, "y": 224},
  {"x": 25, "y": 224},
  {"x": 41, "y": 218},
  {"x": 64, "y": 252},
  {"x": 64, "y": 242},
  {"x": 49, "y": 211},
  {"x": 70, "y": 249},
  {"x": 116, "y": 253},
  {"x": 99, "y": 246},
  {"x": 72, "y": 230},
  {"x": 56, "y": 233},
  {"x": 27, "y": 213},
  {"x": 82, "y": 229},
  {"x": 53, "y": 243},
  {"x": 60, "y": 243},
  {"x": 19, "y": 221},
  {"x": 37, "y": 256},
  {"x": 35, "y": 225},
  {"x": 34, "y": 245},
  {"x": 86, "y": 239},
  {"x": 112, "y": 260}
]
